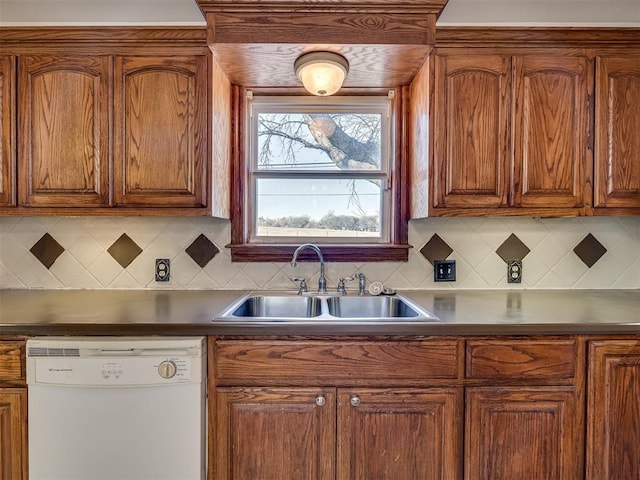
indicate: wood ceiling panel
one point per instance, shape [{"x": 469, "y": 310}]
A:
[{"x": 271, "y": 65}]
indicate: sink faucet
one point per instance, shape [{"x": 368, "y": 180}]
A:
[
  {"x": 362, "y": 283},
  {"x": 322, "y": 281}
]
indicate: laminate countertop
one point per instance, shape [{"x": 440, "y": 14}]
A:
[{"x": 192, "y": 312}]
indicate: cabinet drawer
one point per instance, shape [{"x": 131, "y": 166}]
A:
[
  {"x": 521, "y": 359},
  {"x": 12, "y": 363},
  {"x": 334, "y": 363}
]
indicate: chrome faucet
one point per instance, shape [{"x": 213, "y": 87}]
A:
[
  {"x": 362, "y": 283},
  {"x": 322, "y": 281}
]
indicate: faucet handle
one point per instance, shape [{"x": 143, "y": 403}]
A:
[
  {"x": 302, "y": 284},
  {"x": 341, "y": 289}
]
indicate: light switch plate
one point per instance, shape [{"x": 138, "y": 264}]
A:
[{"x": 444, "y": 270}]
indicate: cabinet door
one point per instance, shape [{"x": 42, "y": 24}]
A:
[
  {"x": 274, "y": 434},
  {"x": 552, "y": 159},
  {"x": 523, "y": 433},
  {"x": 613, "y": 410},
  {"x": 617, "y": 123},
  {"x": 399, "y": 434},
  {"x": 13, "y": 433},
  {"x": 7, "y": 154},
  {"x": 63, "y": 139},
  {"x": 472, "y": 125},
  {"x": 160, "y": 131}
]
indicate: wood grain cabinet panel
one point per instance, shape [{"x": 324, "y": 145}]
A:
[
  {"x": 335, "y": 363},
  {"x": 161, "y": 149},
  {"x": 552, "y": 160},
  {"x": 613, "y": 410},
  {"x": 13, "y": 411},
  {"x": 617, "y": 143},
  {"x": 531, "y": 433},
  {"x": 63, "y": 139},
  {"x": 521, "y": 359},
  {"x": 399, "y": 434},
  {"x": 12, "y": 363},
  {"x": 274, "y": 434},
  {"x": 7, "y": 145},
  {"x": 511, "y": 133},
  {"x": 13, "y": 433},
  {"x": 471, "y": 131}
]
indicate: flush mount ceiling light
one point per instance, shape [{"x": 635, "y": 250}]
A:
[{"x": 321, "y": 73}]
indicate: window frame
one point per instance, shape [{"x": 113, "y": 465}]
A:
[{"x": 395, "y": 247}]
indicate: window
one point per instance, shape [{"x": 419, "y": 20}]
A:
[{"x": 317, "y": 170}]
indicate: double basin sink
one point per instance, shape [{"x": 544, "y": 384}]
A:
[{"x": 320, "y": 309}]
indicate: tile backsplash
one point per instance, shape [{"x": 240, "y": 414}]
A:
[{"x": 120, "y": 253}]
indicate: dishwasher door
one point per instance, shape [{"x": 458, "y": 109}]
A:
[{"x": 116, "y": 409}]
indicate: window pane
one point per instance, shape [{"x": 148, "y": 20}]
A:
[
  {"x": 318, "y": 207},
  {"x": 319, "y": 141}
]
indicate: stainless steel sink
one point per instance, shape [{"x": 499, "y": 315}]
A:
[
  {"x": 318, "y": 309},
  {"x": 371, "y": 307},
  {"x": 278, "y": 307}
]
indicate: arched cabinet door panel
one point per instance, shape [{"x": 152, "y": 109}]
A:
[
  {"x": 160, "y": 131},
  {"x": 63, "y": 135},
  {"x": 552, "y": 159},
  {"x": 617, "y": 143}
]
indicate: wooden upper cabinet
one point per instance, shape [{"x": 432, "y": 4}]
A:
[
  {"x": 399, "y": 434},
  {"x": 160, "y": 133},
  {"x": 510, "y": 133},
  {"x": 552, "y": 160},
  {"x": 617, "y": 142},
  {"x": 613, "y": 410},
  {"x": 63, "y": 135},
  {"x": 7, "y": 153},
  {"x": 471, "y": 131}
]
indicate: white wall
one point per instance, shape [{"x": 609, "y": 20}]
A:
[
  {"x": 185, "y": 12},
  {"x": 85, "y": 262}
]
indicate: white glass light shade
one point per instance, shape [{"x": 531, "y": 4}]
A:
[{"x": 321, "y": 73}]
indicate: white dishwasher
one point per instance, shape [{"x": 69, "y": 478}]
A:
[{"x": 116, "y": 408}]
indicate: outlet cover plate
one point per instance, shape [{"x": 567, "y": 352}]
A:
[
  {"x": 514, "y": 271},
  {"x": 163, "y": 266},
  {"x": 444, "y": 270}
]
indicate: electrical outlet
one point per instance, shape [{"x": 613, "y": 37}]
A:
[
  {"x": 444, "y": 270},
  {"x": 162, "y": 269},
  {"x": 514, "y": 271}
]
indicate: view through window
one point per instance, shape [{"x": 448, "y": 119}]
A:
[{"x": 320, "y": 169}]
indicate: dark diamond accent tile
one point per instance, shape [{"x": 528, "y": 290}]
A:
[
  {"x": 436, "y": 249},
  {"x": 589, "y": 250},
  {"x": 512, "y": 249},
  {"x": 202, "y": 250},
  {"x": 47, "y": 250},
  {"x": 124, "y": 250}
]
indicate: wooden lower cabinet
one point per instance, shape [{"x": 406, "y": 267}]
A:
[
  {"x": 13, "y": 410},
  {"x": 325, "y": 433},
  {"x": 522, "y": 433},
  {"x": 13, "y": 433},
  {"x": 613, "y": 410},
  {"x": 399, "y": 434},
  {"x": 564, "y": 407},
  {"x": 275, "y": 433}
]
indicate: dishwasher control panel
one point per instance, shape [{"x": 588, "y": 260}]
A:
[{"x": 116, "y": 371}]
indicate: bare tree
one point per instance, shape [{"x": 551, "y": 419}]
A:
[{"x": 349, "y": 141}]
